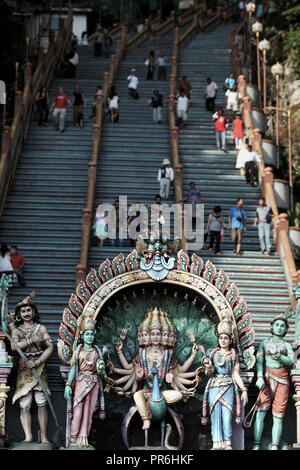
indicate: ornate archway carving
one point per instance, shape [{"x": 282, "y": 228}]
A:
[{"x": 189, "y": 272}]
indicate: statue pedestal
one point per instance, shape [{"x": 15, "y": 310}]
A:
[
  {"x": 30, "y": 446},
  {"x": 238, "y": 439},
  {"x": 79, "y": 448}
]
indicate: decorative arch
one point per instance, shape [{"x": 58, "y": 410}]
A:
[{"x": 190, "y": 272}]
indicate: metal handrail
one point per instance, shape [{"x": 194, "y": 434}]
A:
[
  {"x": 174, "y": 146},
  {"x": 14, "y": 136},
  {"x": 108, "y": 79},
  {"x": 266, "y": 179}
]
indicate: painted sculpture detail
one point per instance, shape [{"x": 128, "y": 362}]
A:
[
  {"x": 84, "y": 383},
  {"x": 222, "y": 389},
  {"x": 274, "y": 358},
  {"x": 151, "y": 364},
  {"x": 34, "y": 340},
  {"x": 155, "y": 371}
]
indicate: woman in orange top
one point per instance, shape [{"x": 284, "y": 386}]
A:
[{"x": 238, "y": 131}]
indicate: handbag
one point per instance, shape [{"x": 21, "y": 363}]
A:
[
  {"x": 147, "y": 62},
  {"x": 269, "y": 217},
  {"x": 222, "y": 232}
]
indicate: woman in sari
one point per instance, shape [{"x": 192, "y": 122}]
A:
[
  {"x": 85, "y": 385},
  {"x": 222, "y": 389}
]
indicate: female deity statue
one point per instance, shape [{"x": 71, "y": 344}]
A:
[
  {"x": 34, "y": 340},
  {"x": 85, "y": 384},
  {"x": 274, "y": 358},
  {"x": 157, "y": 337},
  {"x": 222, "y": 388}
]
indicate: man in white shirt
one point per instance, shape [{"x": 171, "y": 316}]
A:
[
  {"x": 73, "y": 62},
  {"x": 165, "y": 177},
  {"x": 250, "y": 162},
  {"x": 182, "y": 109},
  {"x": 133, "y": 82},
  {"x": 210, "y": 95},
  {"x": 232, "y": 101},
  {"x": 162, "y": 64}
]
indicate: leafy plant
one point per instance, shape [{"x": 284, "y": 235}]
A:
[
  {"x": 297, "y": 251},
  {"x": 292, "y": 14},
  {"x": 295, "y": 215}
]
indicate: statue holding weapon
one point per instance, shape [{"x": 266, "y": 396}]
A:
[{"x": 33, "y": 343}]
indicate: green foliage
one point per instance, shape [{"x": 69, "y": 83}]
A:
[
  {"x": 297, "y": 251},
  {"x": 130, "y": 313},
  {"x": 295, "y": 216},
  {"x": 292, "y": 14}
]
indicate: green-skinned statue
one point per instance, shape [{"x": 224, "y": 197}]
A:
[
  {"x": 274, "y": 358},
  {"x": 84, "y": 383}
]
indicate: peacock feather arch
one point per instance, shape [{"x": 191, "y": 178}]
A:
[{"x": 190, "y": 274}]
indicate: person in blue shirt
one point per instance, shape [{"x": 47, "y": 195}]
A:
[
  {"x": 237, "y": 224},
  {"x": 229, "y": 82},
  {"x": 193, "y": 196}
]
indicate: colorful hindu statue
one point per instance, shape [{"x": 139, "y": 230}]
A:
[
  {"x": 222, "y": 388},
  {"x": 156, "y": 337},
  {"x": 84, "y": 384},
  {"x": 274, "y": 360},
  {"x": 35, "y": 342}
]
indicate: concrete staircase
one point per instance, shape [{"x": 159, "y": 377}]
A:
[
  {"x": 132, "y": 149},
  {"x": 260, "y": 278},
  {"x": 43, "y": 210},
  {"x": 42, "y": 215}
]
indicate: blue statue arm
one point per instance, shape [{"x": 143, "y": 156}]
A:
[{"x": 260, "y": 383}]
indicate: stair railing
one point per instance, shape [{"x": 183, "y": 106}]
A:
[
  {"x": 173, "y": 129},
  {"x": 174, "y": 148},
  {"x": 223, "y": 14},
  {"x": 116, "y": 32},
  {"x": 13, "y": 137},
  {"x": 149, "y": 28},
  {"x": 237, "y": 63},
  {"x": 108, "y": 78},
  {"x": 266, "y": 180},
  {"x": 87, "y": 212}
]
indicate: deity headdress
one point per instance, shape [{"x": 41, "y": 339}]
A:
[
  {"x": 85, "y": 323},
  {"x": 172, "y": 327},
  {"x": 163, "y": 316},
  {"x": 26, "y": 301},
  {"x": 145, "y": 325},
  {"x": 155, "y": 320},
  {"x": 226, "y": 327}
]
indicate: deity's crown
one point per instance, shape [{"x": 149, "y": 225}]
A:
[
  {"x": 172, "y": 327},
  {"x": 164, "y": 316},
  {"x": 225, "y": 326},
  {"x": 27, "y": 300},
  {"x": 155, "y": 320},
  {"x": 86, "y": 323},
  {"x": 145, "y": 325}
]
